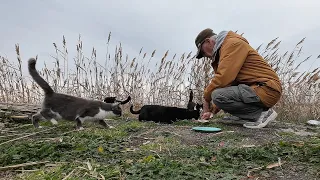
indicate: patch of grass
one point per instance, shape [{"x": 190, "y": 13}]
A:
[
  {"x": 133, "y": 126},
  {"x": 76, "y": 170},
  {"x": 116, "y": 153},
  {"x": 207, "y": 162}
]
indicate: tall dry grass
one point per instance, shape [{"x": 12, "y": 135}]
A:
[{"x": 150, "y": 80}]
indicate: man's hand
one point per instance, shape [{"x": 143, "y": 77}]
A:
[
  {"x": 206, "y": 115},
  {"x": 206, "y": 106},
  {"x": 208, "y": 111}
]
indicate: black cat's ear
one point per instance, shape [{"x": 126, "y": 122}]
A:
[{"x": 198, "y": 106}]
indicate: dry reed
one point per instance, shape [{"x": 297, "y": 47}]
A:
[{"x": 150, "y": 81}]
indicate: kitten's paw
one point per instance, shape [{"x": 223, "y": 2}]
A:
[
  {"x": 80, "y": 128},
  {"x": 111, "y": 127},
  {"x": 54, "y": 122},
  {"x": 40, "y": 127}
]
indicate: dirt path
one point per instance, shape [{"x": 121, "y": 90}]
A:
[
  {"x": 236, "y": 136},
  {"x": 274, "y": 132}
]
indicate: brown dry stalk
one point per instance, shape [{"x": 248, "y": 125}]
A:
[
  {"x": 154, "y": 79},
  {"x": 22, "y": 165},
  {"x": 26, "y": 136}
]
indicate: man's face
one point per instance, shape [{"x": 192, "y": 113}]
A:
[{"x": 207, "y": 47}]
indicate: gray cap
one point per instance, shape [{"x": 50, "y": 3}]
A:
[{"x": 206, "y": 33}]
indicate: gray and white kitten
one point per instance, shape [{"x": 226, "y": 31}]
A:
[{"x": 57, "y": 106}]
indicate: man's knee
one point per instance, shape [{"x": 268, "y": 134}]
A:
[{"x": 218, "y": 96}]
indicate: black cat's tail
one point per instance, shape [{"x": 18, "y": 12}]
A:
[
  {"x": 191, "y": 96},
  {"x": 134, "y": 112},
  {"x": 37, "y": 78},
  {"x": 126, "y": 101}
]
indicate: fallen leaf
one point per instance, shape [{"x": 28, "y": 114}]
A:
[
  {"x": 100, "y": 149},
  {"x": 89, "y": 166},
  {"x": 129, "y": 161},
  {"x": 274, "y": 165},
  {"x": 129, "y": 149},
  {"x": 148, "y": 158},
  {"x": 298, "y": 144},
  {"x": 201, "y": 121},
  {"x": 221, "y": 144},
  {"x": 19, "y": 117},
  {"x": 102, "y": 177},
  {"x": 214, "y": 158},
  {"x": 249, "y": 176},
  {"x": 204, "y": 163},
  {"x": 248, "y": 146},
  {"x": 147, "y": 142}
]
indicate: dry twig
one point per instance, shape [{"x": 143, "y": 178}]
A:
[
  {"x": 26, "y": 136},
  {"x": 22, "y": 165}
]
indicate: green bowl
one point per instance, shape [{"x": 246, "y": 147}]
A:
[{"x": 206, "y": 129}]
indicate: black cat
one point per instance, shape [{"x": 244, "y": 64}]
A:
[
  {"x": 192, "y": 105},
  {"x": 165, "y": 114}
]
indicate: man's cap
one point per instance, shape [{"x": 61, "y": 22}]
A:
[{"x": 206, "y": 33}]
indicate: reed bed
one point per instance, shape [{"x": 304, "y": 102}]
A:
[{"x": 151, "y": 80}]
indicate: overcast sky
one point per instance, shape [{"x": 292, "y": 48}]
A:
[{"x": 163, "y": 25}]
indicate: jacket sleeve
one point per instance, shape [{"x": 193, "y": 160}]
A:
[{"x": 233, "y": 55}]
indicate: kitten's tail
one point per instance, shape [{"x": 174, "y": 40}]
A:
[
  {"x": 134, "y": 112},
  {"x": 191, "y": 96},
  {"x": 37, "y": 78}
]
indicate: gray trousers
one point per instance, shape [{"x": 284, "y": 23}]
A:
[{"x": 240, "y": 101}]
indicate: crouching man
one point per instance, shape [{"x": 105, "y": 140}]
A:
[{"x": 244, "y": 84}]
